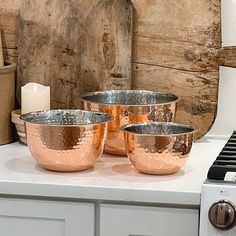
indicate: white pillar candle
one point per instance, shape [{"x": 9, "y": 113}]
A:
[
  {"x": 35, "y": 97},
  {"x": 1, "y": 52}
]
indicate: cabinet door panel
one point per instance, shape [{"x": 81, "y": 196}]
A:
[
  {"x": 47, "y": 218},
  {"x": 15, "y": 226},
  {"x": 122, "y": 220}
]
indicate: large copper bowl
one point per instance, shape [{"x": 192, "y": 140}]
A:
[
  {"x": 158, "y": 147},
  {"x": 129, "y": 106},
  {"x": 66, "y": 140}
]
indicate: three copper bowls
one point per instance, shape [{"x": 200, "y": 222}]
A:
[
  {"x": 158, "y": 147},
  {"x": 66, "y": 140},
  {"x": 129, "y": 106},
  {"x": 137, "y": 123}
]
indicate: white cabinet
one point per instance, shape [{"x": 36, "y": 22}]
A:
[
  {"x": 26, "y": 217},
  {"x": 20, "y": 217},
  {"x": 123, "y": 220}
]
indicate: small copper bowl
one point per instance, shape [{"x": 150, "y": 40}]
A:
[
  {"x": 158, "y": 147},
  {"x": 129, "y": 106},
  {"x": 66, "y": 140}
]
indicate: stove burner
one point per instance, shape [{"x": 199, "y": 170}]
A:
[{"x": 226, "y": 160}]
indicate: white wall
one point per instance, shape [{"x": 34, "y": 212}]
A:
[{"x": 225, "y": 121}]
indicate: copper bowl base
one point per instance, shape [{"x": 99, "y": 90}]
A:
[
  {"x": 65, "y": 169},
  {"x": 158, "y": 169},
  {"x": 164, "y": 172}
]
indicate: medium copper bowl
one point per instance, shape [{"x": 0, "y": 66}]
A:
[
  {"x": 158, "y": 147},
  {"x": 129, "y": 106},
  {"x": 66, "y": 140}
]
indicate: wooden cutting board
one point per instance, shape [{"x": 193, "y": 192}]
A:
[
  {"x": 75, "y": 46},
  {"x": 176, "y": 47}
]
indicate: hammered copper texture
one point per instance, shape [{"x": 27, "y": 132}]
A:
[
  {"x": 158, "y": 154},
  {"x": 126, "y": 114},
  {"x": 66, "y": 148}
]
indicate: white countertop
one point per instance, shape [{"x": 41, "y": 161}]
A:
[{"x": 112, "y": 179}]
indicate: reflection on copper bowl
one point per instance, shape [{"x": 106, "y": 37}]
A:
[
  {"x": 158, "y": 147},
  {"x": 66, "y": 140},
  {"x": 129, "y": 106}
]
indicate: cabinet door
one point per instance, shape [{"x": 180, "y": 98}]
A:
[
  {"x": 48, "y": 218},
  {"x": 122, "y": 220}
]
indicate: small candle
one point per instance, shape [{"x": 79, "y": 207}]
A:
[
  {"x": 1, "y": 52},
  {"x": 35, "y": 97}
]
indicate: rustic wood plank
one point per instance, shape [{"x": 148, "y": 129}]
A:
[
  {"x": 196, "y": 106},
  {"x": 175, "y": 54},
  {"x": 177, "y": 81},
  {"x": 227, "y": 56},
  {"x": 183, "y": 35},
  {"x": 176, "y": 49},
  {"x": 11, "y": 55},
  {"x": 50, "y": 34},
  {"x": 10, "y": 4},
  {"x": 75, "y": 47},
  {"x": 11, "y": 52},
  {"x": 9, "y": 25},
  {"x": 195, "y": 21},
  {"x": 10, "y": 40},
  {"x": 108, "y": 42}
]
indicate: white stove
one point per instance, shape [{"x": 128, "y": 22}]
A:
[
  {"x": 218, "y": 213},
  {"x": 218, "y": 199}
]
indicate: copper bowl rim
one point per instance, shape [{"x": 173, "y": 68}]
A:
[
  {"x": 109, "y": 118},
  {"x": 192, "y": 130},
  {"x": 82, "y": 98}
]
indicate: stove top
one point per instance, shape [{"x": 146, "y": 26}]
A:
[{"x": 224, "y": 167}]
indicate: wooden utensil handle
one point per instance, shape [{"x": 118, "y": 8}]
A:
[{"x": 227, "y": 56}]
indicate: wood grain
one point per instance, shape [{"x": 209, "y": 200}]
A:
[
  {"x": 196, "y": 105},
  {"x": 10, "y": 4},
  {"x": 175, "y": 54},
  {"x": 107, "y": 47},
  {"x": 75, "y": 46},
  {"x": 1, "y": 51},
  {"x": 176, "y": 49},
  {"x": 9, "y": 25},
  {"x": 227, "y": 56}
]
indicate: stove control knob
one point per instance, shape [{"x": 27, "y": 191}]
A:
[{"x": 222, "y": 215}]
